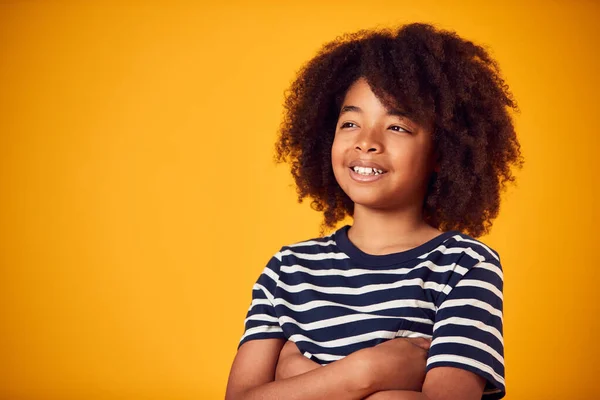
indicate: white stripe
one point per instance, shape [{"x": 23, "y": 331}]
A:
[
  {"x": 344, "y": 319},
  {"x": 365, "y": 289},
  {"x": 444, "y": 250},
  {"x": 411, "y": 334},
  {"x": 258, "y": 286},
  {"x": 470, "y": 252},
  {"x": 261, "y": 317},
  {"x": 470, "y": 322},
  {"x": 469, "y": 342},
  {"x": 393, "y": 304},
  {"x": 472, "y": 302},
  {"x": 480, "y": 284},
  {"x": 257, "y": 302},
  {"x": 290, "y": 269},
  {"x": 455, "y": 250},
  {"x": 421, "y": 320},
  {"x": 312, "y": 243},
  {"x": 346, "y": 340},
  {"x": 318, "y": 256},
  {"x": 490, "y": 267},
  {"x": 465, "y": 361},
  {"x": 476, "y": 242},
  {"x": 359, "y": 338},
  {"x": 262, "y": 329},
  {"x": 271, "y": 274}
]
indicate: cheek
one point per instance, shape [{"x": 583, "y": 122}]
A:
[
  {"x": 410, "y": 158},
  {"x": 337, "y": 160},
  {"x": 337, "y": 154}
]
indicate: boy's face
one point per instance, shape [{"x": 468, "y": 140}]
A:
[{"x": 381, "y": 160}]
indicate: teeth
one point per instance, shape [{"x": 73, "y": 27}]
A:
[{"x": 367, "y": 171}]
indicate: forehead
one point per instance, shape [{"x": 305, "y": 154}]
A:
[
  {"x": 359, "y": 90},
  {"x": 360, "y": 97},
  {"x": 361, "y": 94}
]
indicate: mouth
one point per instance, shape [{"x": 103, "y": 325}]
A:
[
  {"x": 366, "y": 174},
  {"x": 367, "y": 171},
  {"x": 366, "y": 168}
]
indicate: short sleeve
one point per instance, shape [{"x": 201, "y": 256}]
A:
[
  {"x": 467, "y": 331},
  {"x": 261, "y": 320}
]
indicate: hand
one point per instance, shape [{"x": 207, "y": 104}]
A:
[
  {"x": 291, "y": 362},
  {"x": 396, "y": 364}
]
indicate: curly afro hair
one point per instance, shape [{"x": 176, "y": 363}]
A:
[{"x": 435, "y": 76}]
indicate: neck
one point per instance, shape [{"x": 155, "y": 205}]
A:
[{"x": 378, "y": 231}]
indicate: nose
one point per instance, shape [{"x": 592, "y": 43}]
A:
[{"x": 368, "y": 141}]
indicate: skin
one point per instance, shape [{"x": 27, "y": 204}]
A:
[
  {"x": 387, "y": 219},
  {"x": 388, "y": 212},
  {"x": 291, "y": 362},
  {"x": 394, "y": 365}
]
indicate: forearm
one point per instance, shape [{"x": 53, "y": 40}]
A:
[
  {"x": 340, "y": 380},
  {"x": 293, "y": 365},
  {"x": 397, "y": 395}
]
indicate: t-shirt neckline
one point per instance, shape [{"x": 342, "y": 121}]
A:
[{"x": 344, "y": 243}]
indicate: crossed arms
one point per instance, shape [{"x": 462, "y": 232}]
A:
[{"x": 275, "y": 369}]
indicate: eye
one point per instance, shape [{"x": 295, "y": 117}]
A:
[
  {"x": 346, "y": 123},
  {"x": 400, "y": 129}
]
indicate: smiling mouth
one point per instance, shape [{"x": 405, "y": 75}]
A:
[{"x": 368, "y": 171}]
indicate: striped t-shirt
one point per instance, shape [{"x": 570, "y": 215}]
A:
[{"x": 333, "y": 299}]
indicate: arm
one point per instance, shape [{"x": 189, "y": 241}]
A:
[
  {"x": 441, "y": 383},
  {"x": 410, "y": 375},
  {"x": 291, "y": 362},
  {"x": 394, "y": 364},
  {"x": 253, "y": 371}
]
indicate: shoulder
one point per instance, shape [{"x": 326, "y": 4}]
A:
[
  {"x": 476, "y": 270},
  {"x": 314, "y": 248},
  {"x": 308, "y": 249},
  {"x": 468, "y": 262},
  {"x": 471, "y": 250}
]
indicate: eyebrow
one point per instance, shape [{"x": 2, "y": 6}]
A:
[{"x": 394, "y": 112}]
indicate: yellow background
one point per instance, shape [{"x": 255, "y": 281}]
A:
[{"x": 139, "y": 200}]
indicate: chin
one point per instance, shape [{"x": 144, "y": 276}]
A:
[{"x": 369, "y": 200}]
